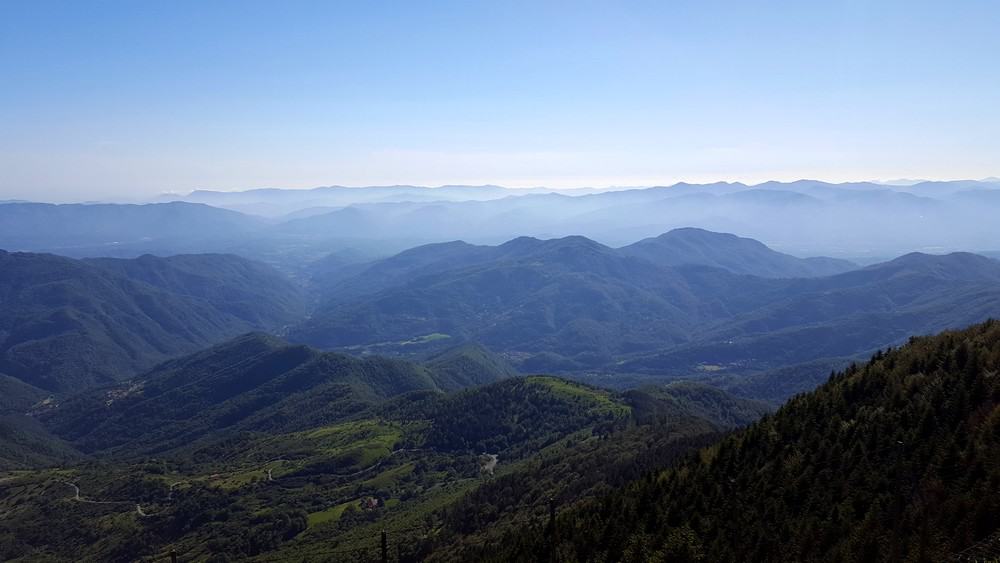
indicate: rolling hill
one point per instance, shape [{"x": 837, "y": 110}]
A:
[
  {"x": 679, "y": 247},
  {"x": 679, "y": 306},
  {"x": 67, "y": 324},
  {"x": 846, "y": 315},
  {"x": 24, "y": 442},
  {"x": 243, "y": 288},
  {"x": 274, "y": 464},
  {"x": 557, "y": 304},
  {"x": 467, "y": 365},
  {"x": 254, "y": 383},
  {"x": 730, "y": 252}
]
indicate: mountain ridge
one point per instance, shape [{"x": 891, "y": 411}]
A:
[
  {"x": 739, "y": 255},
  {"x": 599, "y": 309},
  {"x": 66, "y": 324},
  {"x": 255, "y": 382}
]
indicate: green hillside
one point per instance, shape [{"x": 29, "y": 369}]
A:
[
  {"x": 680, "y": 306},
  {"x": 24, "y": 442},
  {"x": 467, "y": 365},
  {"x": 895, "y": 460},
  {"x": 66, "y": 325},
  {"x": 563, "y": 304},
  {"x": 248, "y": 290},
  {"x": 254, "y": 383},
  {"x": 308, "y": 479}
]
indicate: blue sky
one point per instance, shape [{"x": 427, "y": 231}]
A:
[{"x": 130, "y": 99}]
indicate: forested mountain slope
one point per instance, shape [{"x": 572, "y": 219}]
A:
[
  {"x": 847, "y": 314},
  {"x": 24, "y": 442},
  {"x": 894, "y": 460},
  {"x": 573, "y": 306},
  {"x": 249, "y": 290},
  {"x": 67, "y": 324},
  {"x": 679, "y": 247},
  {"x": 567, "y": 302},
  {"x": 319, "y": 482},
  {"x": 737, "y": 254},
  {"x": 467, "y": 365},
  {"x": 254, "y": 383}
]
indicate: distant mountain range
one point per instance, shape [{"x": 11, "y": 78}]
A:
[
  {"x": 860, "y": 221},
  {"x": 687, "y": 304},
  {"x": 299, "y": 203},
  {"x": 99, "y": 228},
  {"x": 275, "y": 202}
]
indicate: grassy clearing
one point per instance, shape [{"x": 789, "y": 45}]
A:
[
  {"x": 351, "y": 446},
  {"x": 346, "y": 447},
  {"x": 390, "y": 477},
  {"x": 331, "y": 514},
  {"x": 236, "y": 480},
  {"x": 364, "y": 434},
  {"x": 599, "y": 401},
  {"x": 425, "y": 339}
]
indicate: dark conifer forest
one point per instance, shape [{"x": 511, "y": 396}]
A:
[{"x": 891, "y": 460}]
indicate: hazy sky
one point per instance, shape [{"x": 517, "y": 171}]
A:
[{"x": 129, "y": 99}]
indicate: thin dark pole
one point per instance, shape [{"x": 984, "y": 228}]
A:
[{"x": 385, "y": 547}]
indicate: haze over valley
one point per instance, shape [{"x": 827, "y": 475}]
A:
[
  {"x": 309, "y": 360},
  {"x": 864, "y": 221},
  {"x": 631, "y": 282}
]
